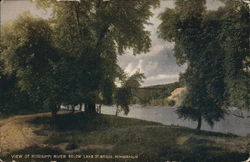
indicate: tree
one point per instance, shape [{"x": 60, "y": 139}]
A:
[
  {"x": 125, "y": 93},
  {"x": 234, "y": 40},
  {"x": 193, "y": 29},
  {"x": 29, "y": 55},
  {"x": 92, "y": 34},
  {"x": 12, "y": 99}
]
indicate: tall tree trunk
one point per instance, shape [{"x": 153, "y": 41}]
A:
[
  {"x": 54, "y": 110},
  {"x": 73, "y": 109},
  {"x": 199, "y": 123},
  {"x": 117, "y": 111},
  {"x": 85, "y": 107},
  {"x": 91, "y": 108},
  {"x": 80, "y": 107},
  {"x": 99, "y": 108},
  {"x": 53, "y": 113}
]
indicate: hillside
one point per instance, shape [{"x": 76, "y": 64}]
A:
[
  {"x": 110, "y": 138},
  {"x": 155, "y": 95}
]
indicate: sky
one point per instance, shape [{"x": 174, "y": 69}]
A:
[{"x": 158, "y": 65}]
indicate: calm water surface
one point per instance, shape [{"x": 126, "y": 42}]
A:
[{"x": 235, "y": 122}]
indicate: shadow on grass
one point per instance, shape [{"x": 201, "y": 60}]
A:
[
  {"x": 208, "y": 153},
  {"x": 129, "y": 136},
  {"x": 206, "y": 150},
  {"x": 203, "y": 132},
  {"x": 87, "y": 122},
  {"x": 200, "y": 150}
]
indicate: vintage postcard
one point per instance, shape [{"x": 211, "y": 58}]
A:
[{"x": 125, "y": 81}]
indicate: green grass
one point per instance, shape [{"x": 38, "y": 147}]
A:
[{"x": 109, "y": 135}]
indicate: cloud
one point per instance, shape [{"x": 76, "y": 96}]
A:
[
  {"x": 163, "y": 76},
  {"x": 139, "y": 65},
  {"x": 129, "y": 68},
  {"x": 161, "y": 66},
  {"x": 150, "y": 66}
]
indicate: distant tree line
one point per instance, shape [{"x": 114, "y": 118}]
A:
[{"x": 154, "y": 95}]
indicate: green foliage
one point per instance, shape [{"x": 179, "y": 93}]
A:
[
  {"x": 234, "y": 40},
  {"x": 12, "y": 100},
  {"x": 92, "y": 34},
  {"x": 214, "y": 45},
  {"x": 28, "y": 54},
  {"x": 27, "y": 61},
  {"x": 124, "y": 94},
  {"x": 72, "y": 57},
  {"x": 96, "y": 20}
]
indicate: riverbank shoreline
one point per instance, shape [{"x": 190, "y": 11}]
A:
[
  {"x": 79, "y": 133},
  {"x": 231, "y": 124}
]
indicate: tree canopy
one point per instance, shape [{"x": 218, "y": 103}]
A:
[
  {"x": 93, "y": 33},
  {"x": 29, "y": 54},
  {"x": 71, "y": 58},
  {"x": 204, "y": 40}
]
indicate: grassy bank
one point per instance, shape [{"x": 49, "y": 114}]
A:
[{"x": 80, "y": 134}]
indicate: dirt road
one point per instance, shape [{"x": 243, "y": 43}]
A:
[{"x": 16, "y": 133}]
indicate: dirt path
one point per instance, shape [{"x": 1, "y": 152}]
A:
[{"x": 16, "y": 133}]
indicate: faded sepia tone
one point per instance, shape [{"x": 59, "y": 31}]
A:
[{"x": 116, "y": 80}]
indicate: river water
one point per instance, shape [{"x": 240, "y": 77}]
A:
[{"x": 235, "y": 122}]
